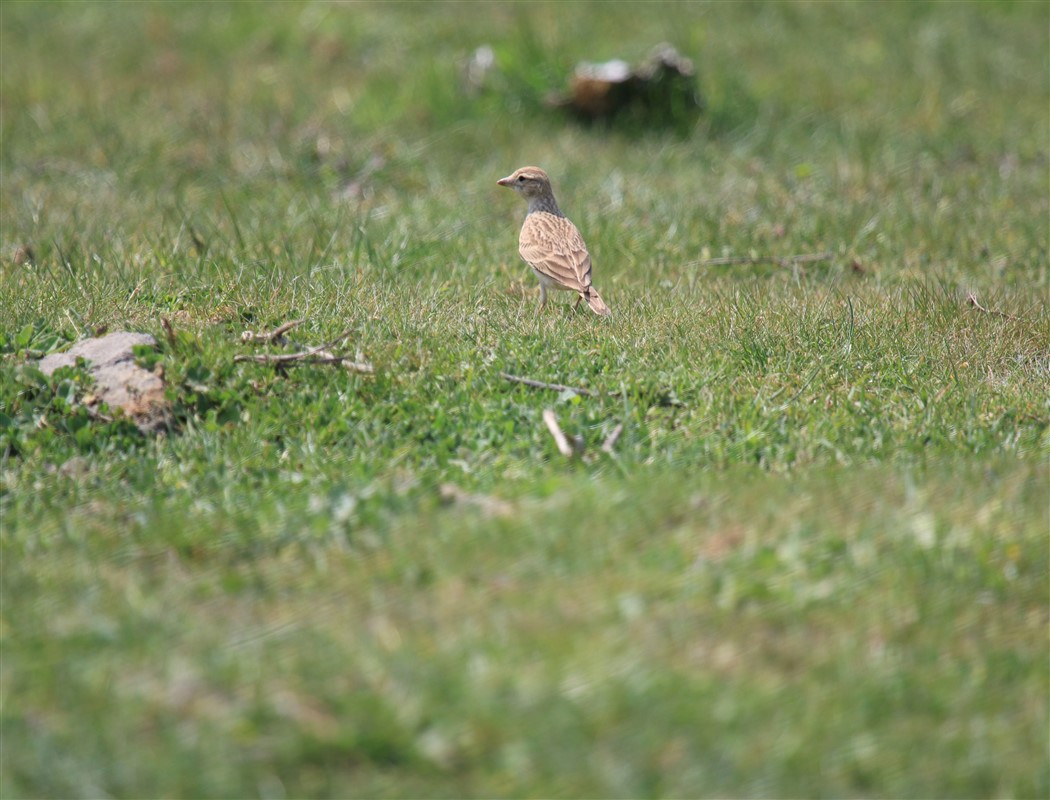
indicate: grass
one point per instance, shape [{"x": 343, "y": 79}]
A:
[{"x": 816, "y": 562}]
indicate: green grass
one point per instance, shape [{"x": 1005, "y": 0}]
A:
[{"x": 816, "y": 562}]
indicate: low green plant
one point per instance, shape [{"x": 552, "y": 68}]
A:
[{"x": 812, "y": 562}]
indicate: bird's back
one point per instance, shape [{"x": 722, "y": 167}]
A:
[{"x": 552, "y": 245}]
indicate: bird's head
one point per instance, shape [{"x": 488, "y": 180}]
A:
[{"x": 528, "y": 181}]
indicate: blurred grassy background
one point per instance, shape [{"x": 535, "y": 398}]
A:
[{"x": 816, "y": 562}]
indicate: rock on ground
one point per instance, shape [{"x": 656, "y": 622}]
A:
[{"x": 119, "y": 381}]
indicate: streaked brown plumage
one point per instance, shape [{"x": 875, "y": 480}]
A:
[{"x": 550, "y": 243}]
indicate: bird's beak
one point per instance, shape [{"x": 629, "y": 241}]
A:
[{"x": 504, "y": 181}]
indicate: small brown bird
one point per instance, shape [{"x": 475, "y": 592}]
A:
[{"x": 550, "y": 244}]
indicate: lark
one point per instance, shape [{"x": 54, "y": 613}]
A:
[{"x": 550, "y": 243}]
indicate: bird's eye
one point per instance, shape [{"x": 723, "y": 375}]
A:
[{"x": 521, "y": 179}]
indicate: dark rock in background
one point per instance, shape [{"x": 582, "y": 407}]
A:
[{"x": 661, "y": 90}]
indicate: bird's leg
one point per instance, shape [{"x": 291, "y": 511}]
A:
[
  {"x": 578, "y": 301},
  {"x": 543, "y": 298}
]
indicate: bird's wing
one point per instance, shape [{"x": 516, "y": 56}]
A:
[{"x": 552, "y": 246}]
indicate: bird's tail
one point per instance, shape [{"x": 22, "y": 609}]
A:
[{"x": 596, "y": 303}]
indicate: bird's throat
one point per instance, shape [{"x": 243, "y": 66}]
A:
[{"x": 546, "y": 203}]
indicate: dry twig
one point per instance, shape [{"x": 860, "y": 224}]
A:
[
  {"x": 564, "y": 447},
  {"x": 667, "y": 398},
  {"x": 971, "y": 298},
  {"x": 276, "y": 334},
  {"x": 556, "y": 387},
  {"x": 315, "y": 355}
]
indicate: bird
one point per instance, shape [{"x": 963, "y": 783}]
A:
[{"x": 550, "y": 243}]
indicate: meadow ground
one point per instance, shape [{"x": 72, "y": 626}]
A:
[{"x": 815, "y": 563}]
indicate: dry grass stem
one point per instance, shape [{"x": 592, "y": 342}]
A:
[{"x": 971, "y": 298}]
